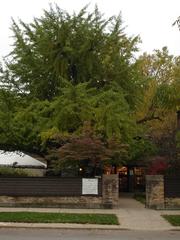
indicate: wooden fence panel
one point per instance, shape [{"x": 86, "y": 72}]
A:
[
  {"x": 43, "y": 186},
  {"x": 172, "y": 186}
]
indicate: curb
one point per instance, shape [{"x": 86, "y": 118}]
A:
[
  {"x": 66, "y": 226},
  {"x": 61, "y": 226},
  {"x": 175, "y": 229}
]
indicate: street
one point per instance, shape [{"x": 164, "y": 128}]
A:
[{"x": 59, "y": 234}]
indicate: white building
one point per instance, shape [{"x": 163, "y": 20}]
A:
[{"x": 21, "y": 160}]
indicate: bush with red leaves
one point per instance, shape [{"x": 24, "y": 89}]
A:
[{"x": 158, "y": 166}]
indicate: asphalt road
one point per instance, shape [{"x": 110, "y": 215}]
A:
[{"x": 55, "y": 234}]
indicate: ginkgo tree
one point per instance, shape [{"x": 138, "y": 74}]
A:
[{"x": 67, "y": 69}]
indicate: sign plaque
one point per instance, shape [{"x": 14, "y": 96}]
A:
[{"x": 89, "y": 186}]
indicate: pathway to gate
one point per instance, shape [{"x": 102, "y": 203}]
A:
[{"x": 133, "y": 215}]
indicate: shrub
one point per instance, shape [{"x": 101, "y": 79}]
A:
[
  {"x": 159, "y": 165},
  {"x": 12, "y": 172}
]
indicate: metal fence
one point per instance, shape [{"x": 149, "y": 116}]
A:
[
  {"x": 43, "y": 186},
  {"x": 172, "y": 186}
]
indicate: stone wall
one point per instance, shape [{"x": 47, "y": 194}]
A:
[
  {"x": 172, "y": 203},
  {"x": 155, "y": 191},
  {"x": 60, "y": 202},
  {"x": 108, "y": 199}
]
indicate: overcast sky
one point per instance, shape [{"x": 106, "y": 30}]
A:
[{"x": 151, "y": 19}]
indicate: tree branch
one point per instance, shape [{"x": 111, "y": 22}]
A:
[{"x": 146, "y": 119}]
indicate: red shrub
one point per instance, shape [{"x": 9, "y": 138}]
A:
[{"x": 158, "y": 166}]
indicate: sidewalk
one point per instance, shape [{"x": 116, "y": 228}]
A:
[{"x": 132, "y": 215}]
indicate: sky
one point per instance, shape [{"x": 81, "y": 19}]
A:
[{"x": 150, "y": 19}]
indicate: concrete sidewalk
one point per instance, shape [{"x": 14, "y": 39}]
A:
[{"x": 132, "y": 215}]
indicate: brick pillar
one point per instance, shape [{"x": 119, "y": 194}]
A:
[
  {"x": 110, "y": 191},
  {"x": 155, "y": 191}
]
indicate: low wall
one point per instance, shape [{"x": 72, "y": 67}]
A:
[
  {"x": 162, "y": 192},
  {"x": 172, "y": 203},
  {"x": 58, "y": 192},
  {"x": 59, "y": 202}
]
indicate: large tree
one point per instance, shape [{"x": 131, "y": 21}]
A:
[
  {"x": 67, "y": 69},
  {"x": 82, "y": 47}
]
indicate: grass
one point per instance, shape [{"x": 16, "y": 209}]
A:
[
  {"x": 140, "y": 197},
  {"x": 173, "y": 219},
  {"x": 37, "y": 217}
]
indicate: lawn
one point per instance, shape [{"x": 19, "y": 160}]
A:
[
  {"x": 173, "y": 219},
  {"x": 37, "y": 217}
]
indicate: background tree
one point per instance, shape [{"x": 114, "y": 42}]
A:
[{"x": 160, "y": 101}]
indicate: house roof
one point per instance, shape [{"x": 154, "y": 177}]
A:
[{"x": 19, "y": 159}]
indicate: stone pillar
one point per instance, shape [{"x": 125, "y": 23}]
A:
[
  {"x": 110, "y": 191},
  {"x": 155, "y": 191}
]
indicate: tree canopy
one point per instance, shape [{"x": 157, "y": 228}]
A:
[{"x": 68, "y": 69}]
